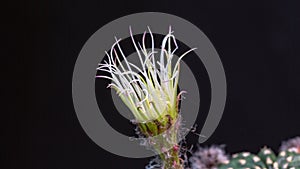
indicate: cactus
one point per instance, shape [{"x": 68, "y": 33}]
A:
[
  {"x": 244, "y": 160},
  {"x": 288, "y": 160},
  {"x": 266, "y": 159}
]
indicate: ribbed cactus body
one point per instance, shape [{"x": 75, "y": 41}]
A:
[
  {"x": 266, "y": 159},
  {"x": 244, "y": 160}
]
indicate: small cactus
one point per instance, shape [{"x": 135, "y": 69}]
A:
[
  {"x": 266, "y": 159},
  {"x": 288, "y": 160},
  {"x": 244, "y": 160}
]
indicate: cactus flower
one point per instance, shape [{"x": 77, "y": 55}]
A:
[{"x": 149, "y": 91}]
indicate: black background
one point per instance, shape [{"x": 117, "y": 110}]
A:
[{"x": 258, "y": 43}]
